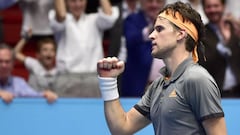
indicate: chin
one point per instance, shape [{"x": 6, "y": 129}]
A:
[{"x": 153, "y": 54}]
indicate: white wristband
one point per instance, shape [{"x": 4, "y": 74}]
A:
[{"x": 108, "y": 88}]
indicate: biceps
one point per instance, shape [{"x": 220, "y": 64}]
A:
[
  {"x": 136, "y": 120},
  {"x": 215, "y": 126}
]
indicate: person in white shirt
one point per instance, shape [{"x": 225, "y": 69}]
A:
[
  {"x": 79, "y": 44},
  {"x": 35, "y": 15},
  {"x": 42, "y": 68}
]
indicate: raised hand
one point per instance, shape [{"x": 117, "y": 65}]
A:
[{"x": 110, "y": 67}]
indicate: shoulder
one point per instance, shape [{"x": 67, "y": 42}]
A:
[
  {"x": 31, "y": 59},
  {"x": 32, "y": 63},
  {"x": 197, "y": 78},
  {"x": 196, "y": 72},
  {"x": 135, "y": 16},
  {"x": 18, "y": 79}
]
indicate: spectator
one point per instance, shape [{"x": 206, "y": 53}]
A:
[
  {"x": 12, "y": 86},
  {"x": 79, "y": 41},
  {"x": 35, "y": 16},
  {"x": 117, "y": 44},
  {"x": 42, "y": 69},
  {"x": 139, "y": 58},
  {"x": 233, "y": 6},
  {"x": 197, "y": 5},
  {"x": 222, "y": 49}
]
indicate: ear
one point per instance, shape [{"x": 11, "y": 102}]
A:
[{"x": 182, "y": 34}]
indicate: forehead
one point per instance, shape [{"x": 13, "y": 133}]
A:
[
  {"x": 162, "y": 21},
  {"x": 47, "y": 45},
  {"x": 5, "y": 54},
  {"x": 212, "y": 2}
]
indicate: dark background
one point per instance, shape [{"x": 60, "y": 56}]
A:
[{"x": 92, "y": 5}]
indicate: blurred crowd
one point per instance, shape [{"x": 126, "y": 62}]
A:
[{"x": 69, "y": 37}]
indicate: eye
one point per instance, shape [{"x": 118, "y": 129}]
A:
[{"x": 158, "y": 28}]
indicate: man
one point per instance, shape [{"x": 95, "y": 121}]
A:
[
  {"x": 79, "y": 45},
  {"x": 139, "y": 59},
  {"x": 42, "y": 69},
  {"x": 222, "y": 48},
  {"x": 186, "y": 100},
  {"x": 117, "y": 44},
  {"x": 12, "y": 86},
  {"x": 117, "y": 47}
]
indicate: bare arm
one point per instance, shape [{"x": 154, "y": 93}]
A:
[
  {"x": 122, "y": 123},
  {"x": 61, "y": 11},
  {"x": 106, "y": 6},
  {"x": 119, "y": 121},
  {"x": 215, "y": 126},
  {"x": 20, "y": 45}
]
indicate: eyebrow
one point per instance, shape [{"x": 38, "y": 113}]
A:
[{"x": 159, "y": 28}]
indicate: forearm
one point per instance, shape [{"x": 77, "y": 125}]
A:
[
  {"x": 116, "y": 117},
  {"x": 21, "y": 43},
  {"x": 119, "y": 121},
  {"x": 18, "y": 50},
  {"x": 60, "y": 8},
  {"x": 106, "y": 6}
]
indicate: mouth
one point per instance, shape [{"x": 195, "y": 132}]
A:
[
  {"x": 48, "y": 57},
  {"x": 154, "y": 44}
]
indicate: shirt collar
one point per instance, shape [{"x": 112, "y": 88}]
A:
[
  {"x": 9, "y": 82},
  {"x": 82, "y": 17},
  {"x": 178, "y": 72},
  {"x": 51, "y": 72}
]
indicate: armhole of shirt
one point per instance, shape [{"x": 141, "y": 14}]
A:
[{"x": 141, "y": 111}]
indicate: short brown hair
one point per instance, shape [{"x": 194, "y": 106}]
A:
[
  {"x": 43, "y": 41},
  {"x": 188, "y": 14}
]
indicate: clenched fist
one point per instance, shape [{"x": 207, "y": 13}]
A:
[{"x": 110, "y": 67}]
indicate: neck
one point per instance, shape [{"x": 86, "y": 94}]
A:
[
  {"x": 175, "y": 60},
  {"x": 76, "y": 18},
  {"x": 48, "y": 67}
]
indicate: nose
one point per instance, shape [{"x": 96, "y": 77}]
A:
[{"x": 151, "y": 35}]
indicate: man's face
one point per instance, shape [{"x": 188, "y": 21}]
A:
[
  {"x": 6, "y": 63},
  {"x": 164, "y": 38},
  {"x": 46, "y": 54},
  {"x": 152, "y": 7},
  {"x": 76, "y": 7},
  {"x": 214, "y": 10}
]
